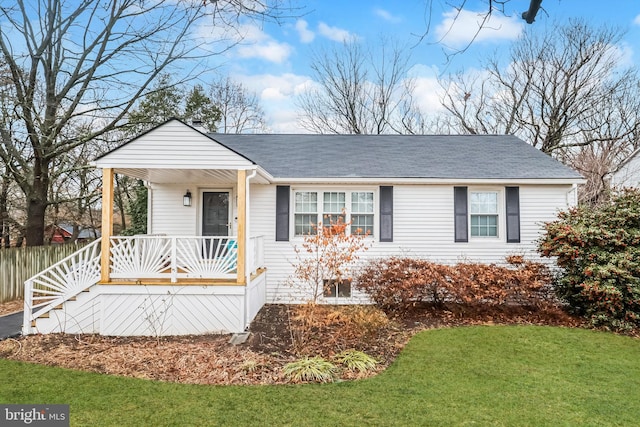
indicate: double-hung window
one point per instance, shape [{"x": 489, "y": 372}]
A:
[
  {"x": 333, "y": 208},
  {"x": 362, "y": 212},
  {"x": 484, "y": 213},
  {"x": 306, "y": 212},
  {"x": 327, "y": 207}
]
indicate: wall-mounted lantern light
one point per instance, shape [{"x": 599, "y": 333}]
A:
[{"x": 186, "y": 199}]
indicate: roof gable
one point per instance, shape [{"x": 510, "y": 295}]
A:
[{"x": 173, "y": 145}]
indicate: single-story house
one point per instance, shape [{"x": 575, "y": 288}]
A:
[
  {"x": 61, "y": 233},
  {"x": 628, "y": 173},
  {"x": 226, "y": 212}
]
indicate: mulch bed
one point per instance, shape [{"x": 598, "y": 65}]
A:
[
  {"x": 11, "y": 307},
  {"x": 280, "y": 334}
]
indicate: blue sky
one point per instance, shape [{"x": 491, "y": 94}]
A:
[{"x": 273, "y": 60}]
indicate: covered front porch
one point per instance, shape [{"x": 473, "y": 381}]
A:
[
  {"x": 197, "y": 270},
  {"x": 218, "y": 251}
]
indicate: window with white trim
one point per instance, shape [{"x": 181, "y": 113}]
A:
[
  {"x": 362, "y": 212},
  {"x": 333, "y": 207},
  {"x": 483, "y": 207},
  {"x": 311, "y": 207},
  {"x": 306, "y": 212}
]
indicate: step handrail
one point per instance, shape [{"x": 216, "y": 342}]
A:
[{"x": 60, "y": 282}]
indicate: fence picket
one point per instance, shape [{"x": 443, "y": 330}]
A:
[{"x": 19, "y": 264}]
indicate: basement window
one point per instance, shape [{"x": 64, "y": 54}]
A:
[{"x": 337, "y": 288}]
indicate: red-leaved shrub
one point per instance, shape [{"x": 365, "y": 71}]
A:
[{"x": 399, "y": 284}]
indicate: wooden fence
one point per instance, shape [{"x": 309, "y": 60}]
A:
[{"x": 19, "y": 264}]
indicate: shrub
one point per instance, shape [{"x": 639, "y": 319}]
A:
[
  {"x": 399, "y": 284},
  {"x": 598, "y": 251},
  {"x": 310, "y": 369},
  {"x": 522, "y": 282}
]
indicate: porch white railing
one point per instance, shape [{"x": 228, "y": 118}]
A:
[
  {"x": 137, "y": 258},
  {"x": 172, "y": 257},
  {"x": 61, "y": 282},
  {"x": 255, "y": 253}
]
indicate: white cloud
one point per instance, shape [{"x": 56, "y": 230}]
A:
[
  {"x": 624, "y": 53},
  {"x": 636, "y": 21},
  {"x": 334, "y": 33},
  {"x": 458, "y": 29},
  {"x": 306, "y": 35},
  {"x": 427, "y": 91},
  {"x": 277, "y": 97},
  {"x": 387, "y": 16},
  {"x": 271, "y": 51},
  {"x": 251, "y": 42}
]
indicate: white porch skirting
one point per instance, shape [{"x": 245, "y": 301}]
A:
[{"x": 158, "y": 310}]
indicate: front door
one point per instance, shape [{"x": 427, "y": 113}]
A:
[{"x": 215, "y": 213}]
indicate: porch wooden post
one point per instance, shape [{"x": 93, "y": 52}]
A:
[
  {"x": 107, "y": 223},
  {"x": 242, "y": 230}
]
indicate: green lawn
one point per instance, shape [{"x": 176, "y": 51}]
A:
[{"x": 494, "y": 375}]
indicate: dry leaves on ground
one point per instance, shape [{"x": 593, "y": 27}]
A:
[
  {"x": 11, "y": 307},
  {"x": 280, "y": 334}
]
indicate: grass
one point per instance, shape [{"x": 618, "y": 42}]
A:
[{"x": 497, "y": 375}]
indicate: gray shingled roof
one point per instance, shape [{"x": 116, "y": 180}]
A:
[{"x": 396, "y": 156}]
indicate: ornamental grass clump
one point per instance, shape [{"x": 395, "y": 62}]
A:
[
  {"x": 310, "y": 369},
  {"x": 598, "y": 251},
  {"x": 356, "y": 361}
]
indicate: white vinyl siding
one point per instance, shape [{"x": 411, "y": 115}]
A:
[
  {"x": 168, "y": 216},
  {"x": 423, "y": 227},
  {"x": 174, "y": 145}
]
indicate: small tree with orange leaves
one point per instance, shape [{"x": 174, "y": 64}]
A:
[
  {"x": 327, "y": 256},
  {"x": 324, "y": 259}
]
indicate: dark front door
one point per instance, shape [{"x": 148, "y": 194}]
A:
[
  {"x": 215, "y": 222},
  {"x": 215, "y": 213}
]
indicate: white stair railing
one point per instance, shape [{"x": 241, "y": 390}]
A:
[{"x": 60, "y": 282}]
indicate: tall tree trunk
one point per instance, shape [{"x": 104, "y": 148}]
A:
[
  {"x": 37, "y": 204},
  {"x": 5, "y": 236}
]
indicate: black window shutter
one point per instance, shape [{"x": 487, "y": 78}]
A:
[
  {"x": 513, "y": 214},
  {"x": 282, "y": 213},
  {"x": 460, "y": 214},
  {"x": 386, "y": 213}
]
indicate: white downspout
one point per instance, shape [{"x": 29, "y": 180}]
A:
[{"x": 247, "y": 237}]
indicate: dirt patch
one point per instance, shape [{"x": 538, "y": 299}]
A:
[
  {"x": 279, "y": 334},
  {"x": 11, "y": 307}
]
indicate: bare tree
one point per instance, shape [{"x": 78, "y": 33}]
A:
[
  {"x": 561, "y": 91},
  {"x": 360, "y": 91},
  {"x": 89, "y": 61},
  {"x": 240, "y": 110}
]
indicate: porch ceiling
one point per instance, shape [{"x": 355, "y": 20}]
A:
[{"x": 186, "y": 176}]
